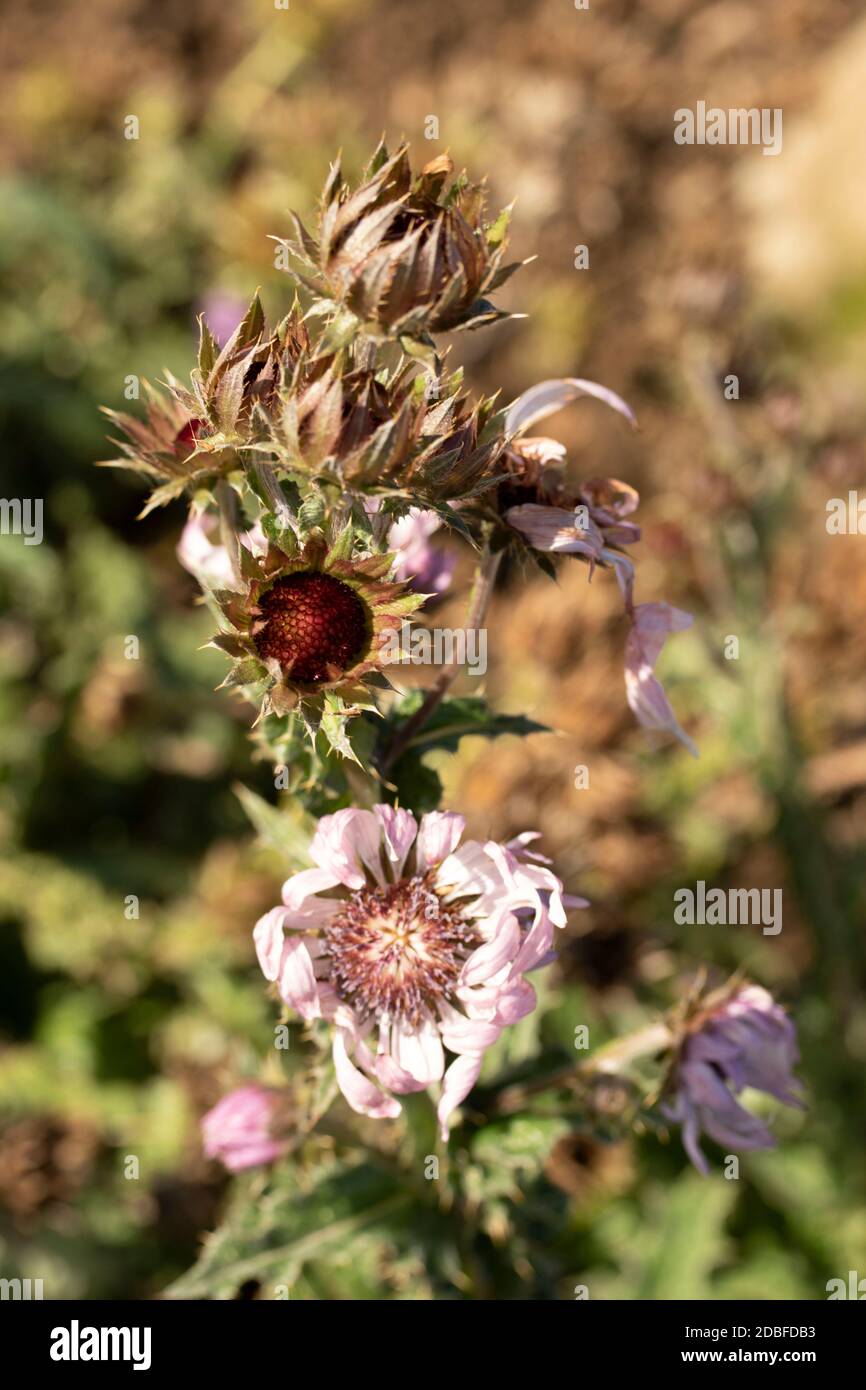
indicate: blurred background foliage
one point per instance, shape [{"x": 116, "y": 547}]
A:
[{"x": 119, "y": 776}]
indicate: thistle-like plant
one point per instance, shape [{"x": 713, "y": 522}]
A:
[{"x": 319, "y": 456}]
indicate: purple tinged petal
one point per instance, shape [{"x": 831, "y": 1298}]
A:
[
  {"x": 488, "y": 959},
  {"x": 363, "y": 1095},
  {"x": 268, "y": 939},
  {"x": 418, "y": 1050},
  {"x": 549, "y": 396},
  {"x": 653, "y": 622},
  {"x": 399, "y": 829}
]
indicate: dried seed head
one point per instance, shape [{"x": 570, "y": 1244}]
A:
[{"x": 412, "y": 254}]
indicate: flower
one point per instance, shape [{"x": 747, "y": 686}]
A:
[
  {"x": 223, "y": 312},
  {"x": 593, "y": 523},
  {"x": 312, "y": 620},
  {"x": 410, "y": 943},
  {"x": 191, "y": 436},
  {"x": 209, "y": 562},
  {"x": 239, "y": 1129},
  {"x": 408, "y": 255},
  {"x": 421, "y": 564},
  {"x": 738, "y": 1038}
]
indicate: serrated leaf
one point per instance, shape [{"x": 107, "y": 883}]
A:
[{"x": 270, "y": 1234}]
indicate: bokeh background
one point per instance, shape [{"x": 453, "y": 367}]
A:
[{"x": 119, "y": 777}]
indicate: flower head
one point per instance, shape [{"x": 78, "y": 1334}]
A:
[
  {"x": 737, "y": 1038},
  {"x": 407, "y": 254},
  {"x": 410, "y": 944},
  {"x": 239, "y": 1130},
  {"x": 594, "y": 523},
  {"x": 191, "y": 435},
  {"x": 311, "y": 619},
  {"x": 383, "y": 431}
]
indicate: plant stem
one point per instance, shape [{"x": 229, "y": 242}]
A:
[
  {"x": 479, "y": 599},
  {"x": 608, "y": 1061}
]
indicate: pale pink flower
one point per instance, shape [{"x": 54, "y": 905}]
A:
[
  {"x": 744, "y": 1039},
  {"x": 209, "y": 561},
  {"x": 239, "y": 1129},
  {"x": 411, "y": 945},
  {"x": 427, "y": 567}
]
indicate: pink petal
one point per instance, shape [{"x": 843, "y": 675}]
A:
[
  {"x": 344, "y": 842},
  {"x": 268, "y": 938},
  {"x": 652, "y": 624},
  {"x": 300, "y": 888},
  {"x": 536, "y": 945},
  {"x": 549, "y": 396},
  {"x": 461, "y": 1034},
  {"x": 418, "y": 1050},
  {"x": 438, "y": 837},
  {"x": 364, "y": 1097},
  {"x": 515, "y": 1002},
  {"x": 394, "y": 1077},
  {"x": 459, "y": 1080},
  {"x": 623, "y": 568},
  {"x": 555, "y": 529},
  {"x": 493, "y": 955},
  {"x": 399, "y": 829},
  {"x": 297, "y": 979}
]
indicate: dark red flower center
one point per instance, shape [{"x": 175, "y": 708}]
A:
[
  {"x": 187, "y": 436},
  {"x": 314, "y": 625}
]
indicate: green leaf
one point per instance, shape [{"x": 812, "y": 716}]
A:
[
  {"x": 419, "y": 787},
  {"x": 692, "y": 1242},
  {"x": 466, "y": 714},
  {"x": 288, "y": 829},
  {"x": 272, "y": 1233}
]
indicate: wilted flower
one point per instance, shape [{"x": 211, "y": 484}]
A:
[
  {"x": 410, "y": 255},
  {"x": 737, "y": 1038},
  {"x": 410, "y": 946},
  {"x": 311, "y": 620},
  {"x": 651, "y": 624},
  {"x": 239, "y": 1130},
  {"x": 593, "y": 523}
]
